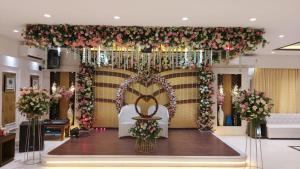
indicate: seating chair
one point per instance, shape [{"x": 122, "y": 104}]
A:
[
  {"x": 164, "y": 122},
  {"x": 125, "y": 119}
]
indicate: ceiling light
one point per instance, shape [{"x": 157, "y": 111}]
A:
[
  {"x": 185, "y": 18},
  {"x": 15, "y": 30},
  {"x": 252, "y": 19},
  {"x": 116, "y": 17},
  {"x": 281, "y": 36},
  {"x": 272, "y": 52},
  {"x": 47, "y": 15}
]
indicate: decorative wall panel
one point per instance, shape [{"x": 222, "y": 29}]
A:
[{"x": 183, "y": 81}]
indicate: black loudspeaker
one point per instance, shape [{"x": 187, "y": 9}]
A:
[
  {"x": 53, "y": 59},
  {"x": 23, "y": 136}
]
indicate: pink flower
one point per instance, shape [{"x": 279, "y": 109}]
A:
[{"x": 254, "y": 108}]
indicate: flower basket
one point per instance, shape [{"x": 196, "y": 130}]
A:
[
  {"x": 146, "y": 130},
  {"x": 145, "y": 146}
]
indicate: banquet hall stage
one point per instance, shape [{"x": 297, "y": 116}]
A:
[{"x": 184, "y": 147}]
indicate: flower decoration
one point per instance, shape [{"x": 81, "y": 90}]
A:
[
  {"x": 221, "y": 95},
  {"x": 205, "y": 116},
  {"x": 235, "y": 93},
  {"x": 253, "y": 105},
  {"x": 155, "y": 79},
  {"x": 236, "y": 40},
  {"x": 33, "y": 102},
  {"x": 60, "y": 92},
  {"x": 145, "y": 129},
  {"x": 85, "y": 95}
]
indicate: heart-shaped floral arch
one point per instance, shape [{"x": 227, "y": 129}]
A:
[{"x": 154, "y": 79}]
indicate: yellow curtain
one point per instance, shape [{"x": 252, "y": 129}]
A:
[{"x": 282, "y": 85}]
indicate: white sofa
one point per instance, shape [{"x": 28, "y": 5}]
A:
[
  {"x": 283, "y": 126},
  {"x": 125, "y": 119},
  {"x": 164, "y": 122}
]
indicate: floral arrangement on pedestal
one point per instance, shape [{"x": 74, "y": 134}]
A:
[
  {"x": 147, "y": 79},
  {"x": 145, "y": 130},
  {"x": 205, "y": 115},
  {"x": 33, "y": 102},
  {"x": 237, "y": 40},
  {"x": 253, "y": 105},
  {"x": 85, "y": 95}
]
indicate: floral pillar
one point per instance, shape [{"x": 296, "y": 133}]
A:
[
  {"x": 205, "y": 115},
  {"x": 85, "y": 95}
]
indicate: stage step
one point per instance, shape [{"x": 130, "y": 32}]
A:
[{"x": 142, "y": 161}]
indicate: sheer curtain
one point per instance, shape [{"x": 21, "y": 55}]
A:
[{"x": 282, "y": 85}]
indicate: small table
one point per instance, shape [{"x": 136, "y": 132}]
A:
[
  {"x": 64, "y": 128},
  {"x": 7, "y": 149}
]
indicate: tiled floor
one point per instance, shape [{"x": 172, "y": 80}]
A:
[{"x": 276, "y": 153}]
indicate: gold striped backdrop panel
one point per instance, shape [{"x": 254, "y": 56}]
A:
[
  {"x": 183, "y": 80},
  {"x": 105, "y": 115},
  {"x": 105, "y": 110},
  {"x": 106, "y": 79},
  {"x": 176, "y": 71},
  {"x": 185, "y": 116},
  {"x": 105, "y": 93},
  {"x": 186, "y": 94}
]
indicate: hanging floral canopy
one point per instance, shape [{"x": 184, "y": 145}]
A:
[{"x": 236, "y": 40}]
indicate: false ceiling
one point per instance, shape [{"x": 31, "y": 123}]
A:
[{"x": 278, "y": 17}]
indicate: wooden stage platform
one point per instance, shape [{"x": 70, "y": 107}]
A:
[{"x": 184, "y": 147}]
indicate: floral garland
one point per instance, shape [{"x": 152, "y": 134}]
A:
[
  {"x": 253, "y": 105},
  {"x": 237, "y": 40},
  {"x": 85, "y": 95},
  {"x": 205, "y": 116},
  {"x": 155, "y": 79}
]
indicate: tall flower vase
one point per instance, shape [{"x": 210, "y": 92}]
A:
[
  {"x": 33, "y": 145},
  {"x": 220, "y": 116},
  {"x": 254, "y": 131}
]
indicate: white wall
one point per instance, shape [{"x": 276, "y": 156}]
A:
[
  {"x": 10, "y": 61},
  {"x": 8, "y": 46},
  {"x": 270, "y": 61}
]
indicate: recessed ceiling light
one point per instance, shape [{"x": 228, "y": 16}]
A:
[
  {"x": 47, "y": 15},
  {"x": 252, "y": 19},
  {"x": 272, "y": 52},
  {"x": 116, "y": 17},
  {"x": 184, "y": 18},
  {"x": 15, "y": 30},
  {"x": 281, "y": 36}
]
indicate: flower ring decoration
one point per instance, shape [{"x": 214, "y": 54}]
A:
[{"x": 155, "y": 79}]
